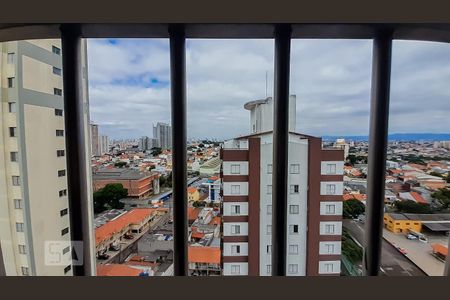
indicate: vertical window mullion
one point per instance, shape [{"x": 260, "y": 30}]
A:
[
  {"x": 280, "y": 147},
  {"x": 179, "y": 169},
  {"x": 378, "y": 132}
]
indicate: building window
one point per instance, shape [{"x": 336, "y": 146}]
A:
[
  {"x": 65, "y": 231},
  {"x": 18, "y": 203},
  {"x": 25, "y": 271},
  {"x": 235, "y": 249},
  {"x": 66, "y": 250},
  {"x": 293, "y": 189},
  {"x": 60, "y": 153},
  {"x": 331, "y": 189},
  {"x": 235, "y": 209},
  {"x": 330, "y": 209},
  {"x": 235, "y": 189},
  {"x": 22, "y": 249},
  {"x": 57, "y": 71},
  {"x": 235, "y": 229},
  {"x": 292, "y": 268},
  {"x": 19, "y": 227},
  {"x": 57, "y": 92},
  {"x": 58, "y": 112},
  {"x": 10, "y": 82},
  {"x": 293, "y": 229},
  {"x": 329, "y": 228},
  {"x": 295, "y": 169},
  {"x": 329, "y": 268},
  {"x": 330, "y": 248},
  {"x": 67, "y": 269},
  {"x": 63, "y": 212},
  {"x": 331, "y": 169},
  {"x": 269, "y": 209},
  {"x": 269, "y": 249},
  {"x": 269, "y": 229},
  {"x": 62, "y": 193},
  {"x": 269, "y": 189},
  {"x": 293, "y": 249},
  {"x": 14, "y": 156},
  {"x": 294, "y": 209},
  {"x": 12, "y": 107},
  {"x": 16, "y": 180},
  {"x": 56, "y": 50},
  {"x": 13, "y": 131},
  {"x": 269, "y": 269},
  {"x": 235, "y": 269},
  {"x": 59, "y": 132},
  {"x": 61, "y": 173},
  {"x": 235, "y": 169},
  {"x": 10, "y": 58},
  {"x": 269, "y": 169}
]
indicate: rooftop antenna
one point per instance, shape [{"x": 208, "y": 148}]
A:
[{"x": 266, "y": 84}]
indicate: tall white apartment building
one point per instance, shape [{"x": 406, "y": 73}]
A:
[
  {"x": 34, "y": 206},
  {"x": 315, "y": 187},
  {"x": 162, "y": 132},
  {"x": 104, "y": 144},
  {"x": 95, "y": 140}
]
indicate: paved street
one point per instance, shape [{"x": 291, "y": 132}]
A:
[
  {"x": 420, "y": 252},
  {"x": 393, "y": 263}
]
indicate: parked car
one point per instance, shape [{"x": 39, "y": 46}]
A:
[
  {"x": 114, "y": 248},
  {"x": 411, "y": 237},
  {"x": 401, "y": 250},
  {"x": 128, "y": 236},
  {"x": 103, "y": 256}
]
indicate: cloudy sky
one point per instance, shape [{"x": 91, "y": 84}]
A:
[{"x": 130, "y": 87}]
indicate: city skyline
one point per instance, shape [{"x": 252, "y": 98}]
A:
[{"x": 224, "y": 74}]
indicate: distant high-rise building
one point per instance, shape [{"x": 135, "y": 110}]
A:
[
  {"x": 34, "y": 207},
  {"x": 95, "y": 140},
  {"x": 162, "y": 132},
  {"x": 104, "y": 144},
  {"x": 315, "y": 188},
  {"x": 145, "y": 143}
]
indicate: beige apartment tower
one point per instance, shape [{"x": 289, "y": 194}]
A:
[{"x": 34, "y": 206}]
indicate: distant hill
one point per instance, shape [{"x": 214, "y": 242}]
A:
[{"x": 404, "y": 137}]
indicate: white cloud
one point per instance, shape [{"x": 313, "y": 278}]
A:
[{"x": 331, "y": 79}]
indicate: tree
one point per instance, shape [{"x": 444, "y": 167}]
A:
[
  {"x": 165, "y": 181},
  {"x": 120, "y": 164},
  {"x": 410, "y": 206},
  {"x": 351, "y": 158},
  {"x": 353, "y": 208},
  {"x": 199, "y": 204},
  {"x": 155, "y": 151},
  {"x": 350, "y": 249},
  {"x": 443, "y": 197},
  {"x": 436, "y": 174},
  {"x": 109, "y": 197},
  {"x": 448, "y": 178}
]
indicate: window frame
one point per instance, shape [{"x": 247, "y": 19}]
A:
[
  {"x": 294, "y": 209},
  {"x": 235, "y": 169},
  {"x": 294, "y": 169}
]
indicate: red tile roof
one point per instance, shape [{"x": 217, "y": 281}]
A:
[
  {"x": 418, "y": 198},
  {"x": 209, "y": 255},
  {"x": 193, "y": 213},
  {"x": 117, "y": 270},
  {"x": 135, "y": 216}
]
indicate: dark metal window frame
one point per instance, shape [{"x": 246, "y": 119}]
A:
[{"x": 382, "y": 36}]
